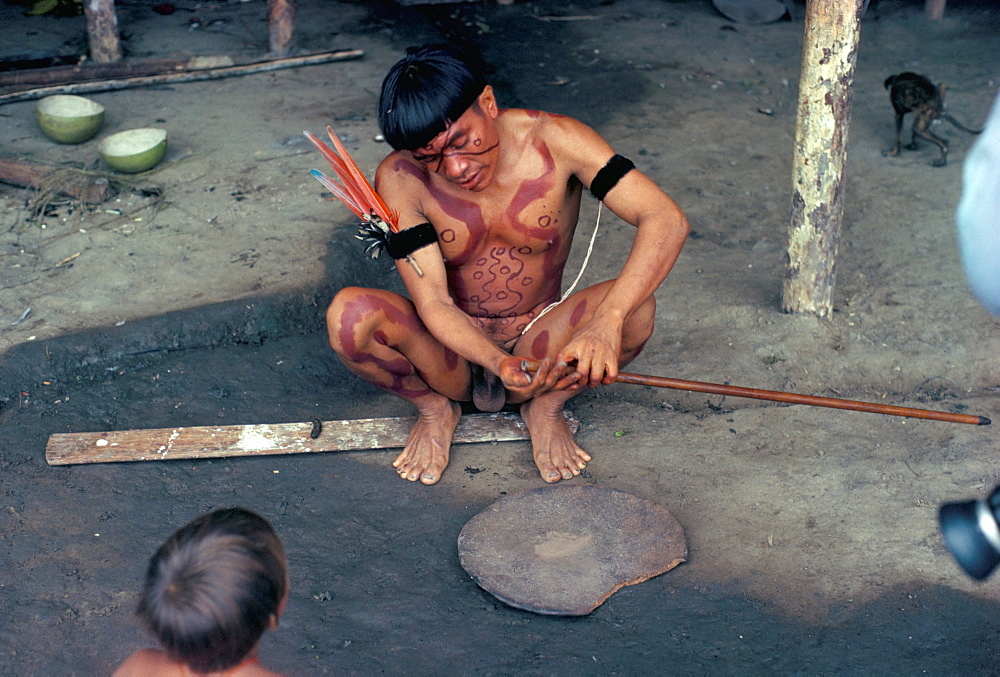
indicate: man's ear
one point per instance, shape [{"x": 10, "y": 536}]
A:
[{"x": 488, "y": 102}]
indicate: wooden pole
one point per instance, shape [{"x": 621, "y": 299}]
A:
[
  {"x": 102, "y": 31},
  {"x": 829, "y": 54},
  {"x": 789, "y": 398},
  {"x": 796, "y": 398},
  {"x": 934, "y": 9},
  {"x": 281, "y": 26}
]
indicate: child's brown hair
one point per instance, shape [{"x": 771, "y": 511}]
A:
[{"x": 214, "y": 587}]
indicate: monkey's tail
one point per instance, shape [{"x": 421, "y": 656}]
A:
[
  {"x": 889, "y": 80},
  {"x": 958, "y": 124}
]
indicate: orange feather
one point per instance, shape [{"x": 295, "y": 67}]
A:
[{"x": 361, "y": 194}]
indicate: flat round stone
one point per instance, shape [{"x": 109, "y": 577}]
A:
[{"x": 564, "y": 549}]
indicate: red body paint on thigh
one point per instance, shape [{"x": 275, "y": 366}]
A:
[
  {"x": 577, "y": 314},
  {"x": 540, "y": 346},
  {"x": 360, "y": 310}
]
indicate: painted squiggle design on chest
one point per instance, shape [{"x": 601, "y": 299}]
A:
[{"x": 497, "y": 283}]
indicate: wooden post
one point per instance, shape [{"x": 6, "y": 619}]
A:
[
  {"x": 102, "y": 31},
  {"x": 934, "y": 9},
  {"x": 281, "y": 26},
  {"x": 829, "y": 54}
]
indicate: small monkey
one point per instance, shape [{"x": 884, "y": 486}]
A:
[{"x": 912, "y": 93}]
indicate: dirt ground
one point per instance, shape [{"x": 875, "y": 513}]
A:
[{"x": 812, "y": 533}]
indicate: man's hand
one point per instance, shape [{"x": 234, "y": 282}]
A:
[
  {"x": 594, "y": 351},
  {"x": 529, "y": 378}
]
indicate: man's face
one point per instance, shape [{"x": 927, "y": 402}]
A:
[{"x": 466, "y": 152}]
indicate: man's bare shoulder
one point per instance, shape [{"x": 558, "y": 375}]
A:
[
  {"x": 399, "y": 173},
  {"x": 398, "y": 162},
  {"x": 575, "y": 144},
  {"x": 542, "y": 123}
]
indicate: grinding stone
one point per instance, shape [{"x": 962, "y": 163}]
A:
[{"x": 563, "y": 549}]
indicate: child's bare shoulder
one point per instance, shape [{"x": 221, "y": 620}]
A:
[{"x": 146, "y": 663}]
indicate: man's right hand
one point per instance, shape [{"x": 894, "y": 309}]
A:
[{"x": 527, "y": 379}]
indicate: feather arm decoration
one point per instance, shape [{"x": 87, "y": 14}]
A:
[
  {"x": 355, "y": 184},
  {"x": 378, "y": 223}
]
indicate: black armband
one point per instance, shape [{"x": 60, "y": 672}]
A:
[
  {"x": 405, "y": 242},
  {"x": 609, "y": 175},
  {"x": 378, "y": 237}
]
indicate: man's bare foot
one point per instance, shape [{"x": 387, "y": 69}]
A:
[
  {"x": 428, "y": 446},
  {"x": 556, "y": 453}
]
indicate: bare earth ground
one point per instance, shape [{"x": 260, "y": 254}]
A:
[{"x": 813, "y": 539}]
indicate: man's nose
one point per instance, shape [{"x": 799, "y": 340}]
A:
[{"x": 455, "y": 166}]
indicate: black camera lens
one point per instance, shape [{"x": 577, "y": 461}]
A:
[{"x": 972, "y": 534}]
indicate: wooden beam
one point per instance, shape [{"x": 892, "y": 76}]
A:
[
  {"x": 829, "y": 54},
  {"x": 28, "y": 78},
  {"x": 166, "y": 444},
  {"x": 186, "y": 76}
]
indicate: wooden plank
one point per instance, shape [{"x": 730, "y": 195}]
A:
[{"x": 165, "y": 444}]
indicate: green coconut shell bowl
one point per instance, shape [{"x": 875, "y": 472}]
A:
[
  {"x": 134, "y": 150},
  {"x": 66, "y": 118}
]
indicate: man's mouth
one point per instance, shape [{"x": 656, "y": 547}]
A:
[{"x": 469, "y": 182}]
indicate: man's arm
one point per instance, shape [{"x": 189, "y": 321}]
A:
[{"x": 661, "y": 229}]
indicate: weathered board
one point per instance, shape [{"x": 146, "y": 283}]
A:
[{"x": 165, "y": 444}]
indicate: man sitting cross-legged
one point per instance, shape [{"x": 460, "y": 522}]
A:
[{"x": 488, "y": 201}]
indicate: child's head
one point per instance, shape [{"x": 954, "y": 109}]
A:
[
  {"x": 425, "y": 91},
  {"x": 214, "y": 587}
]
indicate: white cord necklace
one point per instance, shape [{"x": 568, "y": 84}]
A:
[{"x": 583, "y": 267}]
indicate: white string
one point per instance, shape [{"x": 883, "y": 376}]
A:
[{"x": 583, "y": 267}]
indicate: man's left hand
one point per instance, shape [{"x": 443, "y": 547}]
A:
[{"x": 595, "y": 351}]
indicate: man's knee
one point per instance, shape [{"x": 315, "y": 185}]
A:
[
  {"x": 639, "y": 326},
  {"x": 348, "y": 303}
]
